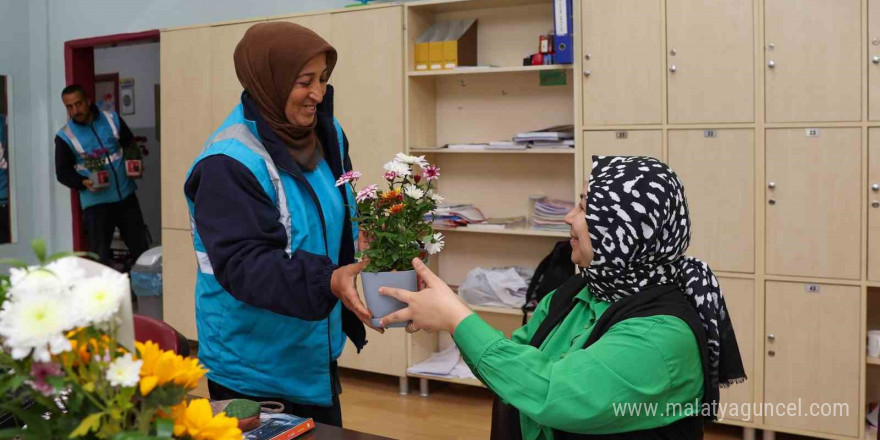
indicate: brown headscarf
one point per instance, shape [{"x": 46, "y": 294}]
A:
[{"x": 267, "y": 61}]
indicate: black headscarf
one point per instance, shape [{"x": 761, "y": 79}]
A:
[{"x": 639, "y": 225}]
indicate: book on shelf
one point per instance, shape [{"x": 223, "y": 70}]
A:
[
  {"x": 499, "y": 224},
  {"x": 280, "y": 427},
  {"x": 555, "y": 133},
  {"x": 506, "y": 145},
  {"x": 549, "y": 214},
  {"x": 450, "y": 215},
  {"x": 568, "y": 143},
  {"x": 467, "y": 147}
]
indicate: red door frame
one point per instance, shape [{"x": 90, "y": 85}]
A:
[{"x": 79, "y": 68}]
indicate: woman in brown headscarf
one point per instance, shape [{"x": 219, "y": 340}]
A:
[{"x": 275, "y": 295}]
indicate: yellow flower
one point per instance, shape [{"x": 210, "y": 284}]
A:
[
  {"x": 395, "y": 209},
  {"x": 199, "y": 422},
  {"x": 162, "y": 367}
]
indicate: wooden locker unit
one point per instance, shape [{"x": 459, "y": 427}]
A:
[
  {"x": 184, "y": 131},
  {"x": 721, "y": 199},
  {"x": 226, "y": 89},
  {"x": 739, "y": 295},
  {"x": 812, "y": 202},
  {"x": 813, "y": 354},
  {"x": 622, "y": 54},
  {"x": 813, "y": 60},
  {"x": 710, "y": 59},
  {"x": 371, "y": 115},
  {"x": 873, "y": 204},
  {"x": 873, "y": 44},
  {"x": 621, "y": 143},
  {"x": 179, "y": 281}
]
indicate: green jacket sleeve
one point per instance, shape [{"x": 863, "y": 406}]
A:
[{"x": 641, "y": 361}]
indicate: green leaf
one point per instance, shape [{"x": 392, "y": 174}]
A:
[
  {"x": 89, "y": 424},
  {"x": 39, "y": 246},
  {"x": 164, "y": 428},
  {"x": 14, "y": 263},
  {"x": 12, "y": 433}
]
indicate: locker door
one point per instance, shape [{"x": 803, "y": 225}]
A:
[{"x": 813, "y": 60}]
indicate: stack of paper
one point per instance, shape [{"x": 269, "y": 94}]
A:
[
  {"x": 549, "y": 214},
  {"x": 449, "y": 215},
  {"x": 499, "y": 224},
  {"x": 507, "y": 145},
  {"x": 446, "y": 363},
  {"x": 568, "y": 143},
  {"x": 467, "y": 147},
  {"x": 557, "y": 133}
]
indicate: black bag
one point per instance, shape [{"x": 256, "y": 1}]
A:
[{"x": 550, "y": 274}]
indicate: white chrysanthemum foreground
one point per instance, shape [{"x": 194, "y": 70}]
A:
[
  {"x": 37, "y": 323},
  {"x": 434, "y": 245},
  {"x": 100, "y": 297},
  {"x": 399, "y": 168},
  {"x": 124, "y": 371},
  {"x": 411, "y": 160},
  {"x": 414, "y": 192}
]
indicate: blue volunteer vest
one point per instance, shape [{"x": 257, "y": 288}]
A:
[
  {"x": 251, "y": 350},
  {"x": 83, "y": 139}
]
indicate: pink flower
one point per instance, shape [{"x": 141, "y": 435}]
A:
[
  {"x": 41, "y": 371},
  {"x": 391, "y": 175},
  {"x": 350, "y": 176},
  {"x": 431, "y": 172},
  {"x": 368, "y": 193}
]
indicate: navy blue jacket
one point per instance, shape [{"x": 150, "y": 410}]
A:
[{"x": 258, "y": 272}]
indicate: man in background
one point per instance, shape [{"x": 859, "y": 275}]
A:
[{"x": 90, "y": 131}]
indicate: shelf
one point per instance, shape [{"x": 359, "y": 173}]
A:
[
  {"x": 445, "y": 6},
  {"x": 872, "y": 361},
  {"x": 471, "y": 382},
  {"x": 484, "y": 70},
  {"x": 497, "y": 310},
  {"x": 511, "y": 231},
  {"x": 529, "y": 151}
]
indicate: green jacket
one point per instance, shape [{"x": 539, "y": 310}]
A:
[{"x": 643, "y": 373}]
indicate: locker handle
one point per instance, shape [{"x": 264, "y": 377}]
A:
[
  {"x": 875, "y": 187},
  {"x": 771, "y": 353},
  {"x": 771, "y": 337},
  {"x": 875, "y": 204},
  {"x": 771, "y": 64},
  {"x": 586, "y": 73},
  {"x": 875, "y": 59},
  {"x": 672, "y": 68},
  {"x": 771, "y": 185}
]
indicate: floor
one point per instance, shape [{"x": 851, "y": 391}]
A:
[{"x": 371, "y": 403}]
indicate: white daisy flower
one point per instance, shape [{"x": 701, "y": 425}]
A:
[
  {"x": 434, "y": 245},
  {"x": 414, "y": 192},
  {"x": 437, "y": 198},
  {"x": 411, "y": 160},
  {"x": 37, "y": 323},
  {"x": 100, "y": 297},
  {"x": 124, "y": 371},
  {"x": 399, "y": 168}
]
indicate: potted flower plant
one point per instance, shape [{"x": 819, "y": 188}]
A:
[
  {"x": 134, "y": 157},
  {"x": 96, "y": 163},
  {"x": 64, "y": 373},
  {"x": 398, "y": 226}
]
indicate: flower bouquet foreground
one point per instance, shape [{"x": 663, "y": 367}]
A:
[
  {"x": 65, "y": 374},
  {"x": 396, "y": 223}
]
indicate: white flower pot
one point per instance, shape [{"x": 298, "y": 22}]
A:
[
  {"x": 134, "y": 168},
  {"x": 100, "y": 179},
  {"x": 381, "y": 305}
]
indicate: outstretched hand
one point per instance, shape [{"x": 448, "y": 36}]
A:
[
  {"x": 436, "y": 307},
  {"x": 342, "y": 284}
]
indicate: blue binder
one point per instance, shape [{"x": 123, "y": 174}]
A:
[{"x": 564, "y": 30}]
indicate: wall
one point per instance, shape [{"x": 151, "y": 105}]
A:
[
  {"x": 141, "y": 62},
  {"x": 32, "y": 36},
  {"x": 24, "y": 57}
]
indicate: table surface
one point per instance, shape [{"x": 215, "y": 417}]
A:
[{"x": 327, "y": 432}]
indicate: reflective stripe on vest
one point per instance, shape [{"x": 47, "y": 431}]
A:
[
  {"x": 79, "y": 148},
  {"x": 241, "y": 133}
]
